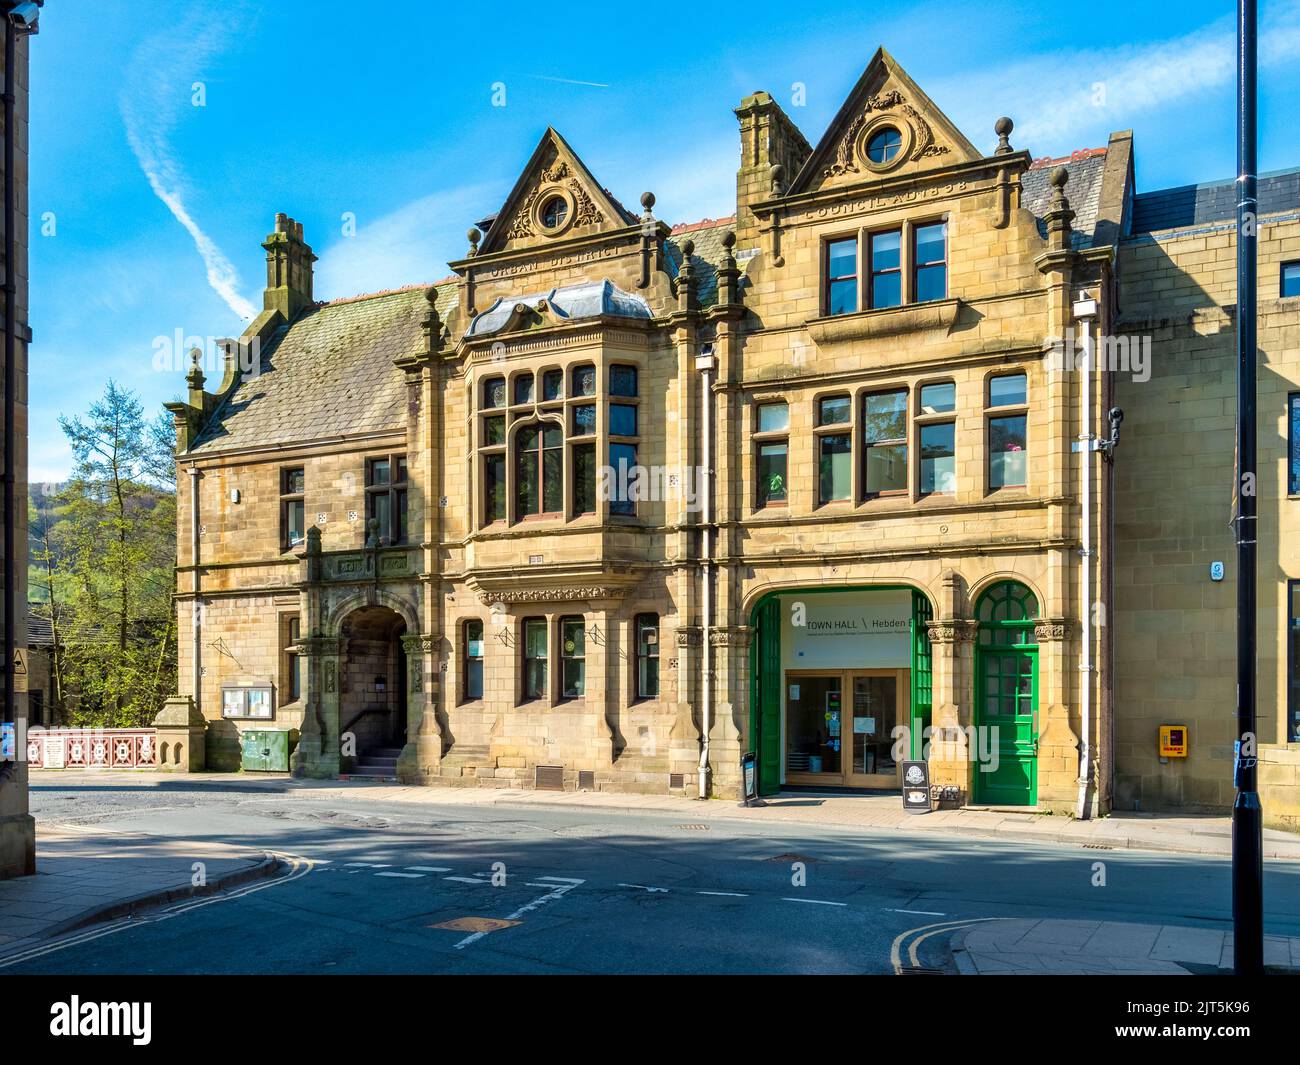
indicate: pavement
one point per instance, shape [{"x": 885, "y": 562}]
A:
[
  {"x": 84, "y": 876},
  {"x": 1112, "y": 948},
  {"x": 91, "y": 872}
]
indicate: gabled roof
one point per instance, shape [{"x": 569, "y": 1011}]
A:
[
  {"x": 328, "y": 373},
  {"x": 551, "y": 147},
  {"x": 865, "y": 98}
]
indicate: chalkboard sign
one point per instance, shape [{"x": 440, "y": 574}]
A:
[{"x": 916, "y": 787}]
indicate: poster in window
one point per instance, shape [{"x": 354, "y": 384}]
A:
[
  {"x": 259, "y": 703},
  {"x": 232, "y": 703}
]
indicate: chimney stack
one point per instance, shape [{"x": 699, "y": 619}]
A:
[
  {"x": 767, "y": 139},
  {"x": 288, "y": 269}
]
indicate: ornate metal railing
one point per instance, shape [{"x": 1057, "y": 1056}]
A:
[{"x": 92, "y": 748}]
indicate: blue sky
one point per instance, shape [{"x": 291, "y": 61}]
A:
[{"x": 148, "y": 212}]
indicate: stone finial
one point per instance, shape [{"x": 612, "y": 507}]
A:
[
  {"x": 432, "y": 324},
  {"x": 474, "y": 237},
  {"x": 777, "y": 174},
  {"x": 195, "y": 378},
  {"x": 648, "y": 202},
  {"x": 1003, "y": 127},
  {"x": 1059, "y": 214},
  {"x": 313, "y": 539},
  {"x": 688, "y": 249},
  {"x": 729, "y": 246}
]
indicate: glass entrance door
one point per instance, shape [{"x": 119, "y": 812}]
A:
[
  {"x": 839, "y": 727},
  {"x": 877, "y": 709}
]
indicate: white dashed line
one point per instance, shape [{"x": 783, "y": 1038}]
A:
[
  {"x": 923, "y": 913},
  {"x": 814, "y": 902},
  {"x": 405, "y": 876},
  {"x": 562, "y": 879},
  {"x": 557, "y": 892},
  {"x": 465, "y": 879},
  {"x": 429, "y": 868},
  {"x": 365, "y": 865},
  {"x": 645, "y": 887},
  {"x": 724, "y": 894}
]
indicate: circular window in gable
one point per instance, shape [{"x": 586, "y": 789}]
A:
[
  {"x": 554, "y": 212},
  {"x": 883, "y": 145}
]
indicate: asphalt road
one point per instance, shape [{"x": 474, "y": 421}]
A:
[{"x": 600, "y": 892}]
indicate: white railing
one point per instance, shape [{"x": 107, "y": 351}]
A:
[{"x": 92, "y": 748}]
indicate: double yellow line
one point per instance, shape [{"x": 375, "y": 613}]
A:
[{"x": 924, "y": 932}]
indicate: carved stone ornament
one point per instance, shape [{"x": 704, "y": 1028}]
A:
[
  {"x": 1049, "y": 631},
  {"x": 846, "y": 155},
  {"x": 738, "y": 637},
  {"x": 689, "y": 636},
  {"x": 550, "y": 595}
]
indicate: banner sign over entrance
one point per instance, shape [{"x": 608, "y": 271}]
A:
[{"x": 854, "y": 630}]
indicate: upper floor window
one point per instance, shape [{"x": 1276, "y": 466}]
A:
[
  {"x": 573, "y": 658},
  {"x": 884, "y": 442},
  {"x": 773, "y": 445},
  {"x": 523, "y": 388},
  {"x": 1007, "y": 431},
  {"x": 930, "y": 262},
  {"x": 1290, "y": 281},
  {"x": 834, "y": 449},
  {"x": 647, "y": 656},
  {"x": 886, "y": 252},
  {"x": 842, "y": 276},
  {"x": 936, "y": 432},
  {"x": 292, "y": 507},
  {"x": 386, "y": 499},
  {"x": 539, "y": 470},
  {"x": 554, "y": 212},
  {"x": 552, "y": 385},
  {"x": 494, "y": 392},
  {"x": 472, "y": 660},
  {"x": 622, "y": 453},
  {"x": 1293, "y": 444}
]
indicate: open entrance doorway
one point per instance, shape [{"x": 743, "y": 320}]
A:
[{"x": 372, "y": 703}]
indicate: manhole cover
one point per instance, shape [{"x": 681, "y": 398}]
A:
[
  {"x": 475, "y": 924},
  {"x": 791, "y": 858}
]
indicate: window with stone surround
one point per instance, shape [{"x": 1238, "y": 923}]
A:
[
  {"x": 646, "y": 627},
  {"x": 293, "y": 528},
  {"x": 884, "y": 443},
  {"x": 623, "y": 429},
  {"x": 834, "y": 444},
  {"x": 386, "y": 485},
  {"x": 533, "y": 643},
  {"x": 1007, "y": 418},
  {"x": 471, "y": 681},
  {"x": 936, "y": 435},
  {"x": 1289, "y": 282},
  {"x": 930, "y": 262},
  {"x": 885, "y": 259},
  {"x": 841, "y": 282},
  {"x": 573, "y": 658},
  {"x": 899, "y": 266},
  {"x": 291, "y": 678},
  {"x": 772, "y": 454},
  {"x": 1293, "y": 661}
]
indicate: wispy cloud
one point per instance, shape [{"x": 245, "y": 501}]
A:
[
  {"x": 408, "y": 245},
  {"x": 1074, "y": 92},
  {"x": 161, "y": 72}
]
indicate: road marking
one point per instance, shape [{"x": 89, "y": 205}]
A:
[
  {"x": 646, "y": 887},
  {"x": 465, "y": 880},
  {"x": 550, "y": 896},
  {"x": 813, "y": 902},
  {"x": 366, "y": 865},
  {"x": 429, "y": 868},
  {"x": 725, "y": 894},
  {"x": 895, "y": 951},
  {"x": 407, "y": 876},
  {"x": 300, "y": 867},
  {"x": 562, "y": 879},
  {"x": 923, "y": 913}
]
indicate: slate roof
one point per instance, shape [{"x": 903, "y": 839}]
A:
[
  {"x": 1214, "y": 201},
  {"x": 708, "y": 256},
  {"x": 327, "y": 373},
  {"x": 1083, "y": 190},
  {"x": 570, "y": 303}
]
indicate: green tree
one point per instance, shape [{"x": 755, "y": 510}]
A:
[{"x": 115, "y": 544}]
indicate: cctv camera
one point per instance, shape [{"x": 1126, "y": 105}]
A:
[
  {"x": 24, "y": 16},
  {"x": 1116, "y": 415}
]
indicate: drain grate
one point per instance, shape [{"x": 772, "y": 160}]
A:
[
  {"x": 586, "y": 780},
  {"x": 1098, "y": 847},
  {"x": 919, "y": 970}
]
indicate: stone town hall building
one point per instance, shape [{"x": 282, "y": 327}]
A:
[{"x": 801, "y": 482}]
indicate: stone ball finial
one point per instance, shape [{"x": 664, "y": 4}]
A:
[
  {"x": 648, "y": 200},
  {"x": 729, "y": 239},
  {"x": 431, "y": 295},
  {"x": 1059, "y": 177},
  {"x": 1003, "y": 126},
  {"x": 474, "y": 235},
  {"x": 777, "y": 175},
  {"x": 688, "y": 249}
]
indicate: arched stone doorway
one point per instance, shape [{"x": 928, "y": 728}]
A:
[{"x": 373, "y": 689}]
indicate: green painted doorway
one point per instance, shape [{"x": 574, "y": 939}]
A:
[{"x": 1006, "y": 696}]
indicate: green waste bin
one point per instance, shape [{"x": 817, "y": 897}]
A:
[{"x": 265, "y": 750}]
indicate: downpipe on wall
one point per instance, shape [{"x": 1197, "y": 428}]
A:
[
  {"x": 1085, "y": 313},
  {"x": 705, "y": 363}
]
